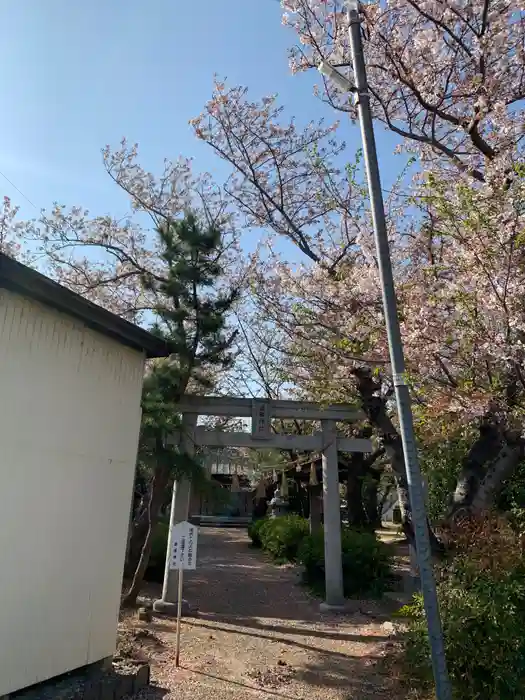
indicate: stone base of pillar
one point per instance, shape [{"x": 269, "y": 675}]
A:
[
  {"x": 163, "y": 607},
  {"x": 329, "y": 608}
]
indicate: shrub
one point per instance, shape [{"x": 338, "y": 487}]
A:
[
  {"x": 366, "y": 563},
  {"x": 282, "y": 536},
  {"x": 517, "y": 520},
  {"x": 482, "y": 601},
  {"x": 255, "y": 529}
]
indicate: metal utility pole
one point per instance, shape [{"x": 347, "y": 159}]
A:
[{"x": 428, "y": 584}]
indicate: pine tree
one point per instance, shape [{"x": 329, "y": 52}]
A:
[{"x": 191, "y": 315}]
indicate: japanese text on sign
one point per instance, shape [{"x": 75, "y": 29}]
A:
[
  {"x": 183, "y": 553},
  {"x": 260, "y": 419}
]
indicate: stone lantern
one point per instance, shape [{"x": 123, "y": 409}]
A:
[{"x": 279, "y": 502}]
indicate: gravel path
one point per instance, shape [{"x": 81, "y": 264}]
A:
[{"x": 258, "y": 634}]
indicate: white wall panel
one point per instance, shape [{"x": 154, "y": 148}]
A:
[{"x": 69, "y": 422}]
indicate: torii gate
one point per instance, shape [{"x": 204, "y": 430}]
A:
[{"x": 261, "y": 411}]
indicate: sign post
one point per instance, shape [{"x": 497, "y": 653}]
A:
[
  {"x": 179, "y": 615},
  {"x": 183, "y": 556}
]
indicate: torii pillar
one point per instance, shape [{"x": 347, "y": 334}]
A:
[{"x": 333, "y": 561}]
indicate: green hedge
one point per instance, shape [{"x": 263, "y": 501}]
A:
[
  {"x": 281, "y": 536},
  {"x": 366, "y": 563},
  {"x": 254, "y": 531},
  {"x": 482, "y": 603}
]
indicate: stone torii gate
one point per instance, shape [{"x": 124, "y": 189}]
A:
[{"x": 262, "y": 411}]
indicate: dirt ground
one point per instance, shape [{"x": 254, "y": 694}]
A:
[{"x": 259, "y": 634}]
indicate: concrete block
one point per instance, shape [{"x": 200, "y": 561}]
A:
[
  {"x": 170, "y": 609},
  {"x": 91, "y": 691},
  {"x": 108, "y": 686},
  {"x": 124, "y": 686},
  {"x": 328, "y": 608},
  {"x": 141, "y": 679}
]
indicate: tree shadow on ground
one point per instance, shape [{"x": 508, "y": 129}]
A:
[
  {"x": 331, "y": 657},
  {"x": 358, "y": 678},
  {"x": 302, "y": 631},
  {"x": 156, "y": 692},
  {"x": 246, "y": 686},
  {"x": 361, "y": 678},
  {"x": 360, "y": 673},
  {"x": 281, "y": 640},
  {"x": 306, "y": 630}
]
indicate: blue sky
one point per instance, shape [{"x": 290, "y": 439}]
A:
[{"x": 78, "y": 75}]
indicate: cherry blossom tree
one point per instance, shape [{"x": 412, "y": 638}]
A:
[
  {"x": 449, "y": 235},
  {"x": 111, "y": 260},
  {"x": 447, "y": 76},
  {"x": 463, "y": 357},
  {"x": 9, "y": 244},
  {"x": 466, "y": 280},
  {"x": 288, "y": 181},
  {"x": 284, "y": 177}
]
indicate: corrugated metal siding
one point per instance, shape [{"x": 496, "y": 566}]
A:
[{"x": 69, "y": 421}]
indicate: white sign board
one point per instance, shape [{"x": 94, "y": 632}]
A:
[{"x": 183, "y": 553}]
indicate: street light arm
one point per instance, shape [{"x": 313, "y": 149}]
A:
[{"x": 335, "y": 76}]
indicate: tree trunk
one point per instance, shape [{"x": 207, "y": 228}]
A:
[
  {"x": 130, "y": 599},
  {"x": 314, "y": 493},
  {"x": 371, "y": 500},
  {"x": 485, "y": 449},
  {"x": 139, "y": 533},
  {"x": 157, "y": 495},
  {"x": 497, "y": 473},
  {"x": 354, "y": 493},
  {"x": 491, "y": 460},
  {"x": 374, "y": 405},
  {"x": 260, "y": 508}
]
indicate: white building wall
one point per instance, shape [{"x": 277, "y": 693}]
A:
[{"x": 69, "y": 423}]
